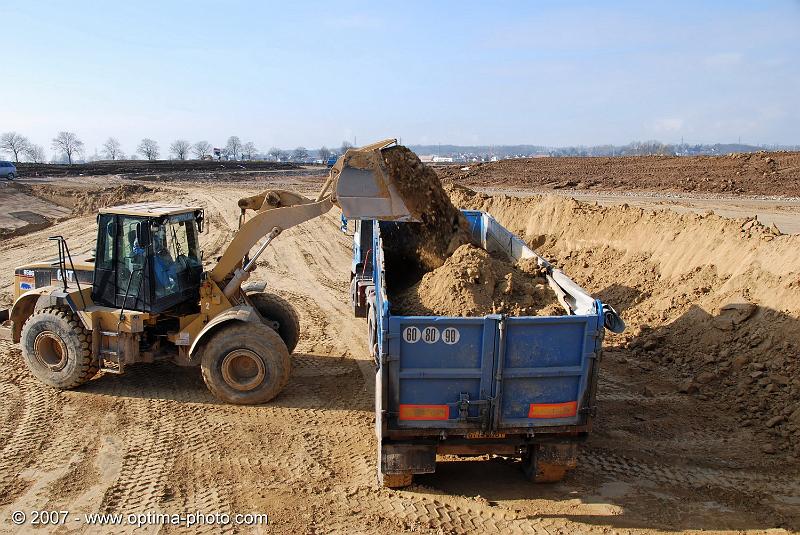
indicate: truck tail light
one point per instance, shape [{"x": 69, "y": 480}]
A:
[
  {"x": 553, "y": 410},
  {"x": 424, "y": 412}
]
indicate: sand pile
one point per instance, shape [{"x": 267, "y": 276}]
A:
[
  {"x": 711, "y": 303},
  {"x": 471, "y": 282},
  {"x": 442, "y": 228},
  {"x": 89, "y": 201}
]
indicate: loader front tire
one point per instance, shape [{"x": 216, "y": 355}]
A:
[
  {"x": 57, "y": 348},
  {"x": 245, "y": 363},
  {"x": 275, "y": 308}
]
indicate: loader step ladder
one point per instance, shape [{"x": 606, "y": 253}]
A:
[{"x": 108, "y": 358}]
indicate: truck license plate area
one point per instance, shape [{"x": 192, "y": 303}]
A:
[{"x": 486, "y": 434}]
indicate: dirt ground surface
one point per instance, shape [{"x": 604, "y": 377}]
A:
[
  {"x": 697, "y": 425},
  {"x": 760, "y": 173}
]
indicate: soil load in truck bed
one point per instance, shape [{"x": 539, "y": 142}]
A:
[{"x": 473, "y": 282}]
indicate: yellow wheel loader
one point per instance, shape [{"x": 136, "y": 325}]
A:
[{"x": 149, "y": 298}]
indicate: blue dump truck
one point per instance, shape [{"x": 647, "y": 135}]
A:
[{"x": 508, "y": 385}]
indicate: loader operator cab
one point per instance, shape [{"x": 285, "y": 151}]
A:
[{"x": 148, "y": 257}]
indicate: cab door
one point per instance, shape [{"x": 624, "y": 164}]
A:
[
  {"x": 104, "y": 288},
  {"x": 131, "y": 263}
]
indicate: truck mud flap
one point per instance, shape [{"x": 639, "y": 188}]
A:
[{"x": 404, "y": 458}]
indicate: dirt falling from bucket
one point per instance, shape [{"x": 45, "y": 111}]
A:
[{"x": 441, "y": 228}]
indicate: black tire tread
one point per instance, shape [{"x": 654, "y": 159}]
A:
[
  {"x": 88, "y": 364},
  {"x": 275, "y": 307},
  {"x": 248, "y": 335}
]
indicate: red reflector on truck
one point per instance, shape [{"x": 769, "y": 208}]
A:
[
  {"x": 424, "y": 412},
  {"x": 553, "y": 410}
]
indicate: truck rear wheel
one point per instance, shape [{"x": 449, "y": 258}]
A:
[
  {"x": 395, "y": 481},
  {"x": 276, "y": 308},
  {"x": 245, "y": 363},
  {"x": 549, "y": 463},
  {"x": 57, "y": 348}
]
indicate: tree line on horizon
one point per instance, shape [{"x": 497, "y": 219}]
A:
[{"x": 67, "y": 147}]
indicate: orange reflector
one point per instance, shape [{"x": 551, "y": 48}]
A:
[
  {"x": 553, "y": 410},
  {"x": 424, "y": 412}
]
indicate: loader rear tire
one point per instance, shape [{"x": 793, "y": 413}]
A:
[
  {"x": 276, "y": 308},
  {"x": 57, "y": 348},
  {"x": 245, "y": 363}
]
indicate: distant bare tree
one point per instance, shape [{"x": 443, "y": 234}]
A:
[
  {"x": 233, "y": 147},
  {"x": 148, "y": 148},
  {"x": 180, "y": 148},
  {"x": 201, "y": 148},
  {"x": 345, "y": 145},
  {"x": 68, "y": 144},
  {"x": 35, "y": 153},
  {"x": 275, "y": 153},
  {"x": 324, "y": 153},
  {"x": 13, "y": 143},
  {"x": 299, "y": 154},
  {"x": 249, "y": 150},
  {"x": 112, "y": 149}
]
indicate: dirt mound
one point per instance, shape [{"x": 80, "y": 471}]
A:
[
  {"x": 89, "y": 203},
  {"x": 471, "y": 282},
  {"x": 713, "y": 303},
  {"x": 759, "y": 173},
  {"x": 442, "y": 228},
  {"x": 84, "y": 202}
]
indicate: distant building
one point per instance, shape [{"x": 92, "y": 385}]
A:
[{"x": 432, "y": 158}]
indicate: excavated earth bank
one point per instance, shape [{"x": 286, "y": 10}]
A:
[{"x": 713, "y": 301}]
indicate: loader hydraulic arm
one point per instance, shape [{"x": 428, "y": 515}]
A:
[
  {"x": 259, "y": 226},
  {"x": 358, "y": 183}
]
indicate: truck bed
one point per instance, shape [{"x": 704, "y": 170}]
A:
[{"x": 489, "y": 384}]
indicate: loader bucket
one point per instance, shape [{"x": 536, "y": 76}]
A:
[{"x": 364, "y": 190}]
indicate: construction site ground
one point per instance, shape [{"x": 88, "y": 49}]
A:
[{"x": 698, "y": 418}]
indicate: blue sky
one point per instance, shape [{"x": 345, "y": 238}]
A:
[{"x": 313, "y": 73}]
